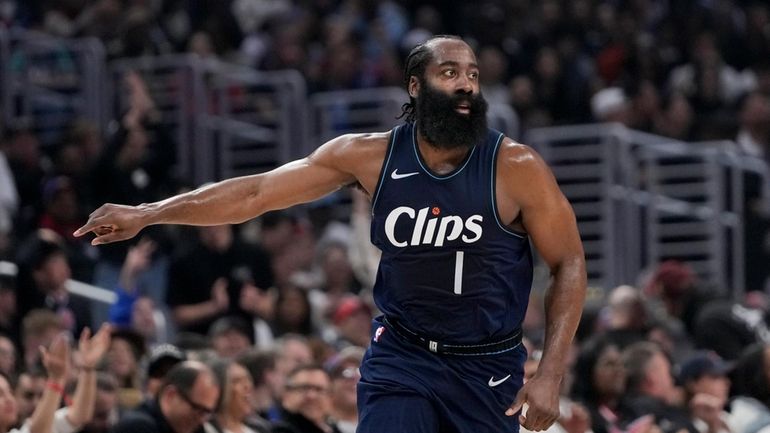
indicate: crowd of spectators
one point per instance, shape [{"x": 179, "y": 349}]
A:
[{"x": 261, "y": 327}]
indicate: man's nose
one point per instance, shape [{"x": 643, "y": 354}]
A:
[{"x": 464, "y": 84}]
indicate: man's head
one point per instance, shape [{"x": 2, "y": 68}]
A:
[
  {"x": 307, "y": 393},
  {"x": 230, "y": 336},
  {"x": 105, "y": 406},
  {"x": 442, "y": 78},
  {"x": 706, "y": 372},
  {"x": 344, "y": 374},
  {"x": 29, "y": 390},
  {"x": 648, "y": 371},
  {"x": 162, "y": 359},
  {"x": 189, "y": 396}
]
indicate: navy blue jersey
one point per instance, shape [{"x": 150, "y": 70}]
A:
[{"x": 449, "y": 269}]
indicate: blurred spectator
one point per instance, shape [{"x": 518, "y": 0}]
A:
[
  {"x": 30, "y": 386},
  {"x": 7, "y": 356},
  {"x": 105, "y": 407},
  {"x": 750, "y": 376},
  {"x": 289, "y": 242},
  {"x": 38, "y": 328},
  {"x": 22, "y": 151},
  {"x": 222, "y": 275},
  {"x": 344, "y": 374},
  {"x": 9, "y": 202},
  {"x": 650, "y": 389},
  {"x": 293, "y": 312},
  {"x": 42, "y": 283},
  {"x": 611, "y": 105},
  {"x": 292, "y": 351},
  {"x": 600, "y": 383},
  {"x": 162, "y": 358},
  {"x": 9, "y": 322},
  {"x": 626, "y": 316},
  {"x": 707, "y": 388},
  {"x": 234, "y": 411},
  {"x": 45, "y": 417},
  {"x": 230, "y": 336},
  {"x": 305, "y": 405},
  {"x": 754, "y": 134},
  {"x": 352, "y": 320},
  {"x": 728, "y": 327},
  {"x": 261, "y": 367},
  {"x": 186, "y": 400},
  {"x": 126, "y": 350},
  {"x": 682, "y": 295}
]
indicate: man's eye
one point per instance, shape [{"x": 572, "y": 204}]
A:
[
  {"x": 449, "y": 73},
  {"x": 473, "y": 75}
]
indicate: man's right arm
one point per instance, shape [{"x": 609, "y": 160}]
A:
[{"x": 233, "y": 200}]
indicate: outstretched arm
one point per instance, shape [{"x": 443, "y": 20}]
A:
[
  {"x": 550, "y": 222},
  {"x": 233, "y": 200}
]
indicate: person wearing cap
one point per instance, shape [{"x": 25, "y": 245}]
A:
[
  {"x": 230, "y": 336},
  {"x": 162, "y": 359},
  {"x": 344, "y": 374},
  {"x": 351, "y": 320},
  {"x": 707, "y": 388}
]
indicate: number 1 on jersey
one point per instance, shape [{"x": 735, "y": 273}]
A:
[{"x": 459, "y": 256}]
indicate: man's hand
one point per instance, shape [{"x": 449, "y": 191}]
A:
[
  {"x": 541, "y": 394},
  {"x": 92, "y": 349},
  {"x": 56, "y": 358},
  {"x": 219, "y": 295},
  {"x": 256, "y": 301},
  {"x": 113, "y": 222}
]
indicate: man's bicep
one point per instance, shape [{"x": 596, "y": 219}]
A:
[
  {"x": 548, "y": 218},
  {"x": 307, "y": 179}
]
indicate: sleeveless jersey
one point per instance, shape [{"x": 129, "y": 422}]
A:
[{"x": 450, "y": 269}]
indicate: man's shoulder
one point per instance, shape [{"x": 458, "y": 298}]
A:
[
  {"x": 513, "y": 152},
  {"x": 138, "y": 420}
]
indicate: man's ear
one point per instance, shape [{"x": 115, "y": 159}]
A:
[{"x": 414, "y": 86}]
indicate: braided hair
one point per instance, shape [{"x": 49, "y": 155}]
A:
[{"x": 415, "y": 65}]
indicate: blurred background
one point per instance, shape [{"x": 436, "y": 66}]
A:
[{"x": 654, "y": 116}]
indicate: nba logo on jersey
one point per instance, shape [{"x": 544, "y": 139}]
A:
[{"x": 378, "y": 333}]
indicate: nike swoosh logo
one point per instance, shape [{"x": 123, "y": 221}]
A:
[
  {"x": 493, "y": 383},
  {"x": 395, "y": 175}
]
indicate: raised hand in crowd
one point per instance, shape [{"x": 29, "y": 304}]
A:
[
  {"x": 137, "y": 260},
  {"x": 91, "y": 350}
]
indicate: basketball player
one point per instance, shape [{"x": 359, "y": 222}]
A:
[{"x": 455, "y": 207}]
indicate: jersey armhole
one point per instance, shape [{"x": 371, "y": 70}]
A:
[
  {"x": 493, "y": 189},
  {"x": 385, "y": 164}
]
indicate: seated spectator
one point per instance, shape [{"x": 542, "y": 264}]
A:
[
  {"x": 707, "y": 388},
  {"x": 105, "y": 407},
  {"x": 230, "y": 336},
  {"x": 352, "y": 320},
  {"x": 44, "y": 270},
  {"x": 126, "y": 350},
  {"x": 187, "y": 398},
  {"x": 162, "y": 359},
  {"x": 38, "y": 328},
  {"x": 650, "y": 389},
  {"x": 601, "y": 383},
  {"x": 344, "y": 374},
  {"x": 9, "y": 322},
  {"x": 261, "y": 367},
  {"x": 305, "y": 405},
  {"x": 234, "y": 411}
]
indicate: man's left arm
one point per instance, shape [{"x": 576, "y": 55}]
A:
[{"x": 550, "y": 222}]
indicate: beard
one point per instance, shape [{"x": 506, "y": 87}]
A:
[{"x": 440, "y": 123}]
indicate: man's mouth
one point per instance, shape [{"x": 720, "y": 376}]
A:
[{"x": 463, "y": 108}]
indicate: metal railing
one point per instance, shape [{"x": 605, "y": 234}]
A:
[
  {"x": 51, "y": 81},
  {"x": 641, "y": 199}
]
